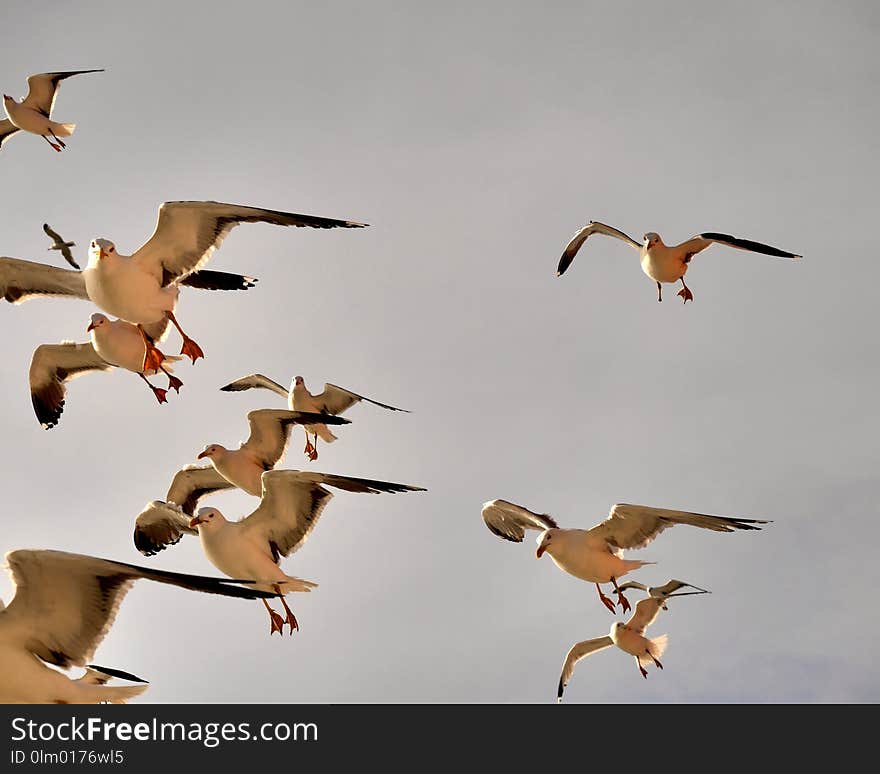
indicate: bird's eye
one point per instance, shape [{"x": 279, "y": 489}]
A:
[{"x": 112, "y": 249}]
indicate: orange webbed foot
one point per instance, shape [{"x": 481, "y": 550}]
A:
[
  {"x": 191, "y": 350},
  {"x": 174, "y": 383},
  {"x": 277, "y": 623},
  {"x": 686, "y": 295}
]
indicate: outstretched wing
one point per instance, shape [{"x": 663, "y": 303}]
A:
[
  {"x": 254, "y": 381},
  {"x": 634, "y": 526},
  {"x": 700, "y": 242},
  {"x": 193, "y": 482},
  {"x": 65, "y": 604},
  {"x": 335, "y": 400},
  {"x": 21, "y": 280},
  {"x": 159, "y": 525},
  {"x": 52, "y": 366},
  {"x": 646, "y": 612},
  {"x": 571, "y": 249},
  {"x": 510, "y": 521},
  {"x": 270, "y": 431},
  {"x": 188, "y": 233},
  {"x": 578, "y": 651},
  {"x": 43, "y": 89}
]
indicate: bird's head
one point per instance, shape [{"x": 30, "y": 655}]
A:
[
  {"x": 7, "y": 100},
  {"x": 100, "y": 248},
  {"x": 651, "y": 239},
  {"x": 298, "y": 381},
  {"x": 97, "y": 320},
  {"x": 615, "y": 630},
  {"x": 544, "y": 541},
  {"x": 207, "y": 518},
  {"x": 212, "y": 452}
]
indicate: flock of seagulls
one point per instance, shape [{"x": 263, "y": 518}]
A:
[{"x": 65, "y": 604}]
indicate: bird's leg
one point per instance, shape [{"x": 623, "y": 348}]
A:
[
  {"x": 685, "y": 292},
  {"x": 641, "y": 668},
  {"x": 60, "y": 142},
  {"x": 276, "y": 620},
  {"x": 621, "y": 600},
  {"x": 189, "y": 348},
  {"x": 659, "y": 292},
  {"x": 659, "y": 665},
  {"x": 153, "y": 356},
  {"x": 161, "y": 395},
  {"x": 604, "y": 600},
  {"x": 291, "y": 618},
  {"x": 173, "y": 382},
  {"x": 57, "y": 147},
  {"x": 309, "y": 449},
  {"x": 314, "y": 453}
]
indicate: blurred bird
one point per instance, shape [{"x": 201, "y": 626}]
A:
[
  {"x": 665, "y": 263},
  {"x": 60, "y": 244}
]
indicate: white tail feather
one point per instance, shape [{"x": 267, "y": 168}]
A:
[{"x": 62, "y": 130}]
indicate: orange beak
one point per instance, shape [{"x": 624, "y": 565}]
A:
[
  {"x": 540, "y": 552},
  {"x": 202, "y": 455},
  {"x": 194, "y": 522},
  {"x": 91, "y": 327}
]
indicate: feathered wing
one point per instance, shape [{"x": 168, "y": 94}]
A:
[
  {"x": 52, "y": 366},
  {"x": 578, "y": 651},
  {"x": 510, "y": 521},
  {"x": 571, "y": 249},
  {"x": 7, "y": 129},
  {"x": 193, "y": 482},
  {"x": 65, "y": 604},
  {"x": 646, "y": 612},
  {"x": 634, "y": 526},
  {"x": 21, "y": 280},
  {"x": 188, "y": 233},
  {"x": 255, "y": 381},
  {"x": 159, "y": 525},
  {"x": 700, "y": 242},
  {"x": 293, "y": 500},
  {"x": 270, "y": 431},
  {"x": 43, "y": 89},
  {"x": 335, "y": 400},
  {"x": 218, "y": 280}
]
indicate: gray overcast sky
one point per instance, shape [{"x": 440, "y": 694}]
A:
[{"x": 475, "y": 139}]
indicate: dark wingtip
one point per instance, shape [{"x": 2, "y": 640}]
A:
[
  {"x": 559, "y": 691},
  {"x": 117, "y": 673}
]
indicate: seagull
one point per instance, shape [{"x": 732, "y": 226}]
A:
[
  {"x": 113, "y": 343},
  {"x": 665, "y": 591},
  {"x": 629, "y": 637},
  {"x": 333, "y": 400},
  {"x": 64, "y": 606},
  {"x": 291, "y": 503},
  {"x": 663, "y": 263},
  {"x": 143, "y": 287},
  {"x": 60, "y": 244},
  {"x": 33, "y": 113},
  {"x": 596, "y": 555},
  {"x": 264, "y": 448}
]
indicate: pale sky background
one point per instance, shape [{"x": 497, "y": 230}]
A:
[{"x": 476, "y": 139}]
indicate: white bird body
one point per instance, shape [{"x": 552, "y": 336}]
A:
[
  {"x": 300, "y": 399},
  {"x": 120, "y": 344},
  {"x": 662, "y": 263},
  {"x": 240, "y": 467},
  {"x": 635, "y": 643},
  {"x": 121, "y": 287},
  {"x": 30, "y": 120},
  {"x": 586, "y": 555}
]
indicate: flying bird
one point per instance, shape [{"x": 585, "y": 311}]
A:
[
  {"x": 265, "y": 446},
  {"x": 58, "y": 243},
  {"x": 291, "y": 503},
  {"x": 33, "y": 113},
  {"x": 667, "y": 590},
  {"x": 629, "y": 637},
  {"x": 112, "y": 344},
  {"x": 143, "y": 288},
  {"x": 665, "y": 263},
  {"x": 64, "y": 606},
  {"x": 596, "y": 554},
  {"x": 333, "y": 400}
]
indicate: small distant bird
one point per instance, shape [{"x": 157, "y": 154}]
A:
[
  {"x": 252, "y": 548},
  {"x": 665, "y": 591},
  {"x": 33, "y": 113},
  {"x": 64, "y": 606},
  {"x": 269, "y": 434},
  {"x": 596, "y": 555},
  {"x": 113, "y": 343},
  {"x": 333, "y": 400},
  {"x": 663, "y": 263},
  {"x": 60, "y": 244},
  {"x": 629, "y": 637}
]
